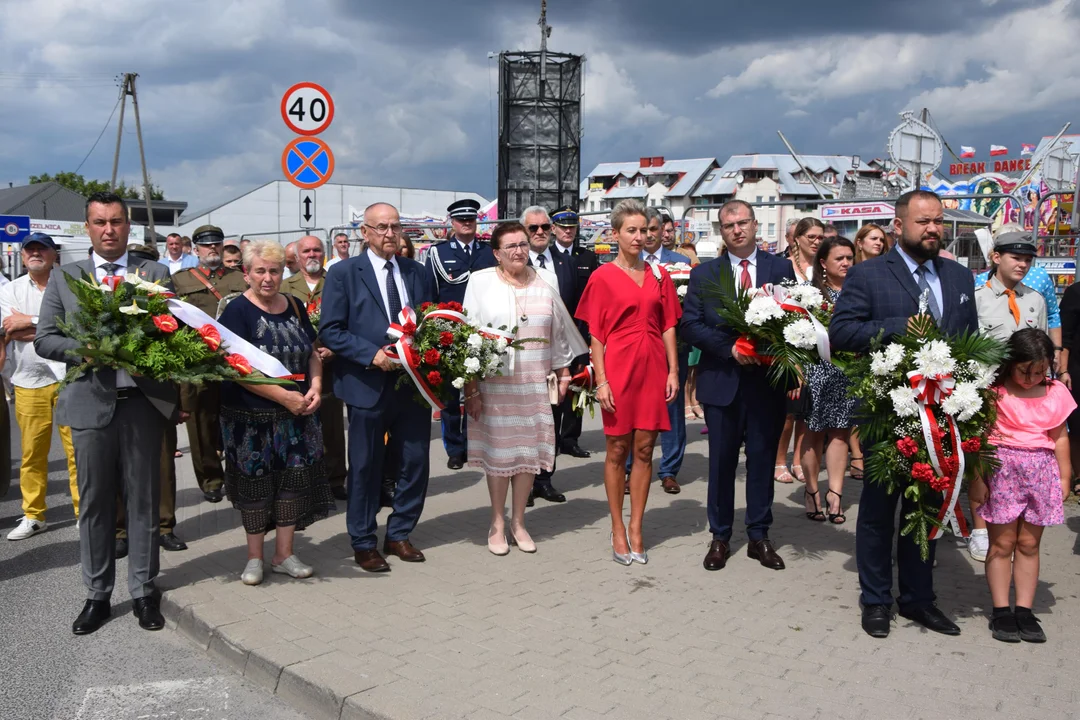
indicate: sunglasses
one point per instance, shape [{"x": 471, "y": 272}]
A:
[{"x": 546, "y": 227}]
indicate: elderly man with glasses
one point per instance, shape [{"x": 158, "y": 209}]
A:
[
  {"x": 361, "y": 296},
  {"x": 451, "y": 263}
]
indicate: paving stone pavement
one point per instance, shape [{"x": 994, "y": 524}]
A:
[{"x": 567, "y": 633}]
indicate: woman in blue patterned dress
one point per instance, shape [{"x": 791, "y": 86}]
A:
[
  {"x": 274, "y": 469},
  {"x": 829, "y": 417}
]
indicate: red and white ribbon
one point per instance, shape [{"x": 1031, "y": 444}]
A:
[
  {"x": 193, "y": 317},
  {"x": 783, "y": 298},
  {"x": 931, "y": 390},
  {"x": 404, "y": 333}
]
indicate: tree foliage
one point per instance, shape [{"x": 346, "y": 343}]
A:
[{"x": 76, "y": 182}]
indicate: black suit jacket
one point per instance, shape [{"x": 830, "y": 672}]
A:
[{"x": 719, "y": 375}]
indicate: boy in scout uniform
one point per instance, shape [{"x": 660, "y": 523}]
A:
[
  {"x": 204, "y": 287},
  {"x": 307, "y": 286},
  {"x": 1005, "y": 303}
]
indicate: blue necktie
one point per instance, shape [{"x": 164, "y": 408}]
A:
[
  {"x": 924, "y": 286},
  {"x": 393, "y": 297}
]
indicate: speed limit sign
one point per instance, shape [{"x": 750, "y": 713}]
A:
[{"x": 307, "y": 108}]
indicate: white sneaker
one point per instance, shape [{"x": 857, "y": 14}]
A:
[
  {"x": 292, "y": 566},
  {"x": 27, "y": 528},
  {"x": 253, "y": 572},
  {"x": 979, "y": 545}
]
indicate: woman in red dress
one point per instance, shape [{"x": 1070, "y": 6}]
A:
[{"x": 631, "y": 309}]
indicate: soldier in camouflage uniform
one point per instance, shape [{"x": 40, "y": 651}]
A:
[{"x": 204, "y": 287}]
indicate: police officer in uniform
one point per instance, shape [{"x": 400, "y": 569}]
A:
[
  {"x": 307, "y": 286},
  {"x": 451, "y": 262},
  {"x": 204, "y": 287}
]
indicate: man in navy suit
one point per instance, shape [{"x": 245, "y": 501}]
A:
[
  {"x": 450, "y": 264},
  {"x": 881, "y": 296},
  {"x": 360, "y": 297},
  {"x": 734, "y": 390},
  {"x": 582, "y": 263},
  {"x": 673, "y": 441},
  {"x": 537, "y": 223}
]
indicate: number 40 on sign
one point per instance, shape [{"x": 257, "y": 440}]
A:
[{"x": 307, "y": 108}]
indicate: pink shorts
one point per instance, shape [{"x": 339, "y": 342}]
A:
[{"x": 1027, "y": 485}]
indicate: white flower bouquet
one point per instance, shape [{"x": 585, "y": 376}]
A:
[
  {"x": 785, "y": 326},
  {"x": 926, "y": 408}
]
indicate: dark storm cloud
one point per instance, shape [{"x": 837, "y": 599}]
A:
[{"x": 683, "y": 27}]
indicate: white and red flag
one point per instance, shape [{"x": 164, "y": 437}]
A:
[
  {"x": 1026, "y": 149},
  {"x": 966, "y": 152},
  {"x": 996, "y": 150}
]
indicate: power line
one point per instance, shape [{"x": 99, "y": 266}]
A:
[{"x": 102, "y": 133}]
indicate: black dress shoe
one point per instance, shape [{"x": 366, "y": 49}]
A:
[
  {"x": 121, "y": 548},
  {"x": 531, "y": 501},
  {"x": 575, "y": 450},
  {"x": 932, "y": 619},
  {"x": 213, "y": 496},
  {"x": 875, "y": 620},
  {"x": 456, "y": 462},
  {"x": 169, "y": 541},
  {"x": 763, "y": 551},
  {"x": 93, "y": 615},
  {"x": 547, "y": 492},
  {"x": 717, "y": 557},
  {"x": 338, "y": 491},
  {"x": 150, "y": 617}
]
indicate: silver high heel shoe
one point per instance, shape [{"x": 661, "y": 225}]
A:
[
  {"x": 641, "y": 557},
  {"x": 621, "y": 559}
]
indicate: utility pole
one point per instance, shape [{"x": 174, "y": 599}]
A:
[
  {"x": 545, "y": 33},
  {"x": 127, "y": 87}
]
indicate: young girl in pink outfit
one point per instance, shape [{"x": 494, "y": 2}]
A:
[{"x": 1028, "y": 491}]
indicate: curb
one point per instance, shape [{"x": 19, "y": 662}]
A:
[{"x": 323, "y": 684}]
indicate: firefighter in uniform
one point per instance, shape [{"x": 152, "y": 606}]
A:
[
  {"x": 204, "y": 287},
  {"x": 451, "y": 262},
  {"x": 307, "y": 286}
]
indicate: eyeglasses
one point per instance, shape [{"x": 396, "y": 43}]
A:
[
  {"x": 742, "y": 225},
  {"x": 383, "y": 228},
  {"x": 546, "y": 227},
  {"x": 512, "y": 248}
]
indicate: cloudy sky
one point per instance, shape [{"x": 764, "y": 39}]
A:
[{"x": 416, "y": 94}]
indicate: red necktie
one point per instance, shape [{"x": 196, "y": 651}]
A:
[{"x": 744, "y": 278}]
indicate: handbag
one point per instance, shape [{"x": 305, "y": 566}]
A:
[{"x": 553, "y": 388}]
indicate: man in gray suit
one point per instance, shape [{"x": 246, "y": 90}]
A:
[{"x": 117, "y": 427}]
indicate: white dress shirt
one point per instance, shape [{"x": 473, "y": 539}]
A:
[
  {"x": 736, "y": 268},
  {"x": 31, "y": 371},
  {"x": 123, "y": 379},
  {"x": 651, "y": 257},
  {"x": 175, "y": 265},
  {"x": 379, "y": 265},
  {"x": 549, "y": 263},
  {"x": 932, "y": 278}
]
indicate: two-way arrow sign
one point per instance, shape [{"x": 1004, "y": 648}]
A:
[{"x": 307, "y": 208}]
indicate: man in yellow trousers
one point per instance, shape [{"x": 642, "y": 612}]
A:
[{"x": 36, "y": 381}]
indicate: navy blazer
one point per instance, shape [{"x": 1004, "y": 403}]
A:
[
  {"x": 881, "y": 294},
  {"x": 455, "y": 264},
  {"x": 354, "y": 322},
  {"x": 719, "y": 375}
]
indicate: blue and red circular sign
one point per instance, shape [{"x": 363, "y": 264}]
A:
[{"x": 307, "y": 162}]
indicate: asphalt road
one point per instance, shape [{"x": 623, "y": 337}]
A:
[{"x": 121, "y": 672}]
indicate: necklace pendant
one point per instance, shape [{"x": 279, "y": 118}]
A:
[{"x": 524, "y": 319}]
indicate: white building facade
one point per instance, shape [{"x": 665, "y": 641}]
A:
[
  {"x": 654, "y": 181},
  {"x": 274, "y": 210}
]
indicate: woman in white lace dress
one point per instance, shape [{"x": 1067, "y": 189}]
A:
[{"x": 511, "y": 429}]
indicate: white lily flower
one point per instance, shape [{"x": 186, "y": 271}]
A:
[{"x": 133, "y": 309}]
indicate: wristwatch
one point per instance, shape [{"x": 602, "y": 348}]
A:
[{"x": 34, "y": 320}]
